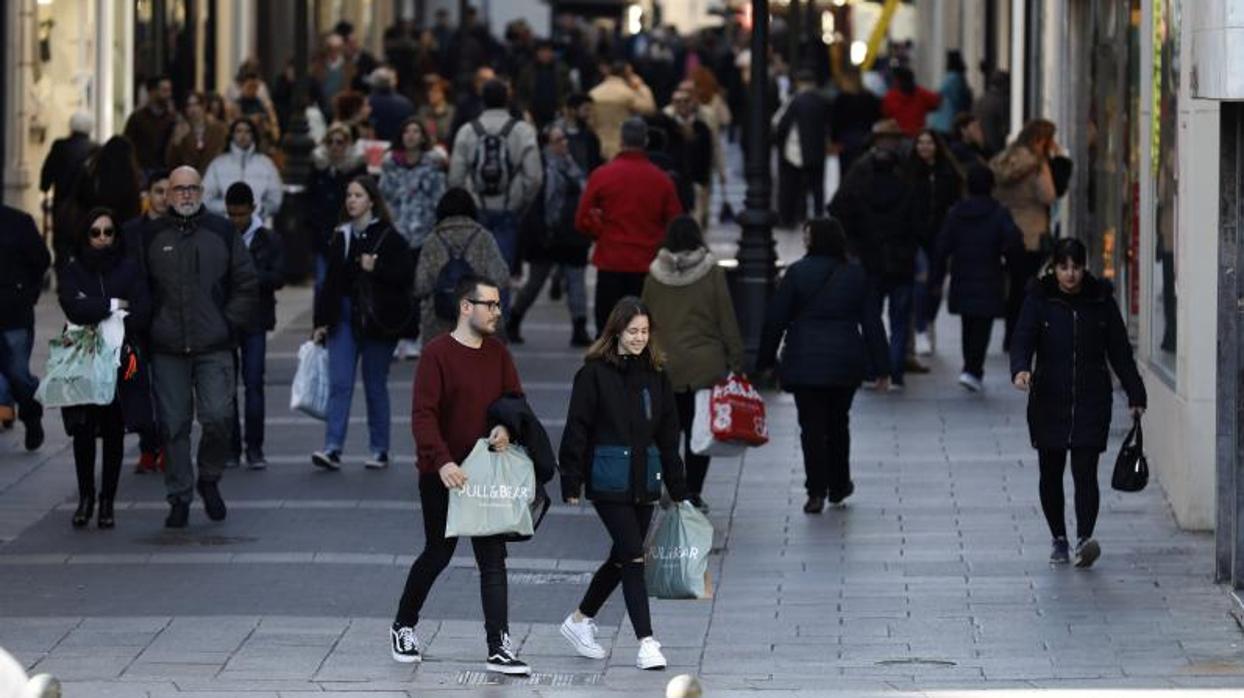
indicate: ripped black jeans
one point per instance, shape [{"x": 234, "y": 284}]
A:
[{"x": 628, "y": 527}]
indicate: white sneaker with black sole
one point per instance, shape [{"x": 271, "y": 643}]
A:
[
  {"x": 582, "y": 637},
  {"x": 650, "y": 657},
  {"x": 502, "y": 661},
  {"x": 405, "y": 644},
  {"x": 380, "y": 461},
  {"x": 970, "y": 383}
]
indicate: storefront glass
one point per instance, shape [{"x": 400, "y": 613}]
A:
[{"x": 1165, "y": 173}]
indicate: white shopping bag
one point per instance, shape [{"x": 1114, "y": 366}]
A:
[
  {"x": 702, "y": 441},
  {"x": 309, "y": 392},
  {"x": 501, "y": 485}
]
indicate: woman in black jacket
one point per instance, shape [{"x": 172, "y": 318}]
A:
[
  {"x": 936, "y": 184},
  {"x": 360, "y": 311},
  {"x": 828, "y": 311},
  {"x": 1072, "y": 326},
  {"x": 620, "y": 442},
  {"x": 98, "y": 279}
]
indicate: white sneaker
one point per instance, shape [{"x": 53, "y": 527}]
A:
[
  {"x": 970, "y": 382},
  {"x": 582, "y": 636},
  {"x": 650, "y": 657},
  {"x": 408, "y": 349},
  {"x": 924, "y": 345}
]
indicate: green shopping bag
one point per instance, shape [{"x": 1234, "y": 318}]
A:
[
  {"x": 497, "y": 496},
  {"x": 81, "y": 369},
  {"x": 676, "y": 561}
]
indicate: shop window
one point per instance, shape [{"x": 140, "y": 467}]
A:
[{"x": 1165, "y": 175}]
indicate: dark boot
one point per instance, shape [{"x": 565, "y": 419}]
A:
[
  {"x": 106, "y": 518},
  {"x": 178, "y": 515},
  {"x": 32, "y": 417},
  {"x": 86, "y": 507},
  {"x": 513, "y": 328},
  {"x": 580, "y": 338},
  {"x": 213, "y": 503}
]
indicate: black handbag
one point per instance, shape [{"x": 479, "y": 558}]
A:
[{"x": 1131, "y": 470}]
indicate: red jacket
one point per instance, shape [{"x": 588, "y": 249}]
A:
[
  {"x": 625, "y": 208},
  {"x": 909, "y": 110}
]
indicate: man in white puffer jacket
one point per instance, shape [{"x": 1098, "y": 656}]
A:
[{"x": 243, "y": 162}]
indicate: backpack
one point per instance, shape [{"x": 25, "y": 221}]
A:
[
  {"x": 491, "y": 168},
  {"x": 445, "y": 304}
]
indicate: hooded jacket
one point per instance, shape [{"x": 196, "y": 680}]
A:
[
  {"x": 204, "y": 287},
  {"x": 1026, "y": 188},
  {"x": 468, "y": 239},
  {"x": 243, "y": 165},
  {"x": 691, "y": 308},
  {"x": 268, "y": 254},
  {"x": 621, "y": 435},
  {"x": 977, "y": 235},
  {"x": 1072, "y": 339},
  {"x": 389, "y": 283}
]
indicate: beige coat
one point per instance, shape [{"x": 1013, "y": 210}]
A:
[
  {"x": 615, "y": 101},
  {"x": 1025, "y": 187}
]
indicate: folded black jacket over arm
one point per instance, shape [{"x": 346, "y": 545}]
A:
[{"x": 514, "y": 413}]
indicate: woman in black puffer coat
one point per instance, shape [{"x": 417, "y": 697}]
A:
[
  {"x": 828, "y": 311},
  {"x": 98, "y": 279},
  {"x": 1072, "y": 327},
  {"x": 621, "y": 443}
]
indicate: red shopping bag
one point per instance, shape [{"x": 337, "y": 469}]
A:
[{"x": 738, "y": 412}]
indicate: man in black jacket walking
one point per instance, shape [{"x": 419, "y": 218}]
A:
[
  {"x": 800, "y": 130},
  {"x": 204, "y": 291},
  {"x": 23, "y": 261},
  {"x": 266, "y": 253}
]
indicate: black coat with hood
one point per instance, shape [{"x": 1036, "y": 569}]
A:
[
  {"x": 621, "y": 436},
  {"x": 1073, "y": 338},
  {"x": 977, "y": 235},
  {"x": 390, "y": 284}
]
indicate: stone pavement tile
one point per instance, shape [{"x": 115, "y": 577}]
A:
[
  {"x": 343, "y": 694},
  {"x": 171, "y": 670},
  {"x": 83, "y": 668},
  {"x": 34, "y": 634},
  {"x": 246, "y": 686},
  {"x": 112, "y": 689}
]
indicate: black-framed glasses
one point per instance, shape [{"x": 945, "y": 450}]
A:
[
  {"x": 103, "y": 232},
  {"x": 494, "y": 306}
]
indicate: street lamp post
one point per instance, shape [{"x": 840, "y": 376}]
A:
[
  {"x": 297, "y": 145},
  {"x": 756, "y": 256}
]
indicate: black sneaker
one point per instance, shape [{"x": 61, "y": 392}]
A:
[
  {"x": 501, "y": 660},
  {"x": 178, "y": 515},
  {"x": 814, "y": 505},
  {"x": 1087, "y": 552},
  {"x": 328, "y": 460},
  {"x": 212, "y": 501},
  {"x": 405, "y": 644},
  {"x": 380, "y": 461},
  {"x": 1061, "y": 553},
  {"x": 255, "y": 459},
  {"x": 839, "y": 496}
]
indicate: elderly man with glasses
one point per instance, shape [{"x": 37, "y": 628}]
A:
[{"x": 205, "y": 292}]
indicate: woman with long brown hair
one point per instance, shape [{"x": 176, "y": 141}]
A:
[{"x": 619, "y": 444}]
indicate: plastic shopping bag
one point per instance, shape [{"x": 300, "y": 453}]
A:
[
  {"x": 82, "y": 365},
  {"x": 676, "y": 561},
  {"x": 309, "y": 392},
  {"x": 501, "y": 485},
  {"x": 702, "y": 441},
  {"x": 735, "y": 414}
]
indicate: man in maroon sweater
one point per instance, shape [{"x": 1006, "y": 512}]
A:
[
  {"x": 625, "y": 209},
  {"x": 460, "y": 375}
]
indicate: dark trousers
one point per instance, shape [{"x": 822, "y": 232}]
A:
[
  {"x": 897, "y": 296},
  {"x": 439, "y": 550},
  {"x": 825, "y": 433},
  {"x": 628, "y": 527},
  {"x": 976, "y": 332},
  {"x": 1053, "y": 462},
  {"x": 1024, "y": 270},
  {"x": 252, "y": 351},
  {"x": 697, "y": 466},
  {"x": 103, "y": 422},
  {"x": 794, "y": 186},
  {"x": 186, "y": 386},
  {"x": 611, "y": 287}
]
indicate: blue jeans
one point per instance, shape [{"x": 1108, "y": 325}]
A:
[
  {"x": 252, "y": 350},
  {"x": 504, "y": 228},
  {"x": 897, "y": 295},
  {"x": 15, "y": 345},
  {"x": 344, "y": 352}
]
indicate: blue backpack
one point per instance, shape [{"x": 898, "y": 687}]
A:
[{"x": 445, "y": 303}]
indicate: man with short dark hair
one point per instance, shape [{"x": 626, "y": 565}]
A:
[
  {"x": 497, "y": 159},
  {"x": 266, "y": 253},
  {"x": 625, "y": 208},
  {"x": 460, "y": 375},
  {"x": 205, "y": 291},
  {"x": 150, "y": 127},
  {"x": 576, "y": 123}
]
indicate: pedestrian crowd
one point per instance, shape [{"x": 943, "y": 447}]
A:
[{"x": 462, "y": 165}]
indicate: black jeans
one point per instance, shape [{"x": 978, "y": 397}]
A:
[
  {"x": 628, "y": 527},
  {"x": 1053, "y": 462},
  {"x": 976, "y": 332},
  {"x": 697, "y": 466},
  {"x": 103, "y": 422},
  {"x": 825, "y": 433},
  {"x": 611, "y": 287},
  {"x": 249, "y": 363},
  {"x": 439, "y": 550},
  {"x": 1025, "y": 270},
  {"x": 794, "y": 186}
]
